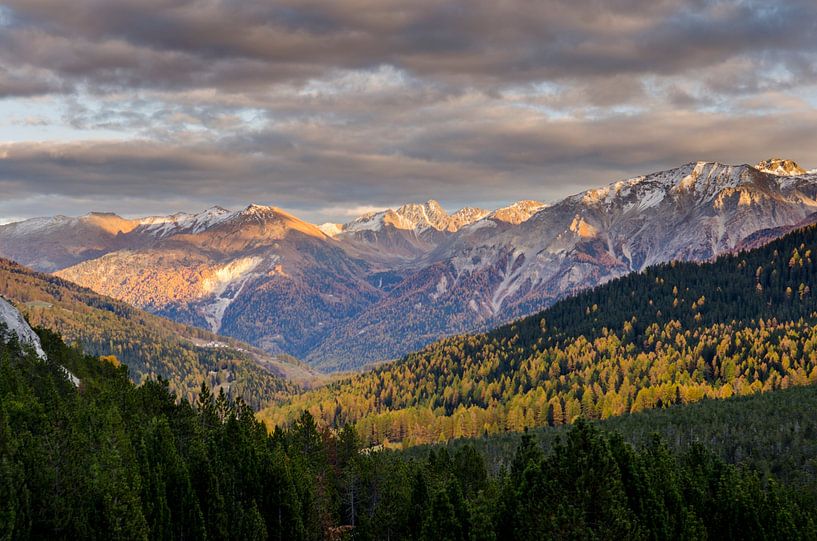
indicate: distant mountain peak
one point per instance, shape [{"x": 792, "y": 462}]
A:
[
  {"x": 518, "y": 212},
  {"x": 162, "y": 226},
  {"x": 466, "y": 216},
  {"x": 701, "y": 180},
  {"x": 418, "y": 217},
  {"x": 255, "y": 208},
  {"x": 780, "y": 167}
]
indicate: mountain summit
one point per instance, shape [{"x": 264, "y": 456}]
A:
[
  {"x": 416, "y": 217},
  {"x": 779, "y": 166}
]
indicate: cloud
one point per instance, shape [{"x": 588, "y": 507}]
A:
[
  {"x": 239, "y": 45},
  {"x": 470, "y": 161},
  {"x": 322, "y": 106}
]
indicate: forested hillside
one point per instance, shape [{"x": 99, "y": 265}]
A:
[
  {"x": 114, "y": 461},
  {"x": 151, "y": 346},
  {"x": 674, "y": 333},
  {"x": 773, "y": 433}
]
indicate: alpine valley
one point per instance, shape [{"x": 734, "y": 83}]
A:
[
  {"x": 341, "y": 296},
  {"x": 408, "y": 271},
  {"x": 150, "y": 346}
]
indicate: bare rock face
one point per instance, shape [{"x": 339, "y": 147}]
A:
[
  {"x": 17, "y": 325},
  {"x": 395, "y": 237},
  {"x": 781, "y": 167},
  {"x": 518, "y": 212},
  {"x": 344, "y": 295}
]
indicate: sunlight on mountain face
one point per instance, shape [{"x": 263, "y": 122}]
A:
[
  {"x": 465, "y": 270},
  {"x": 394, "y": 280}
]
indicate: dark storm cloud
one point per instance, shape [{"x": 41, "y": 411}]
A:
[
  {"x": 502, "y": 161},
  {"x": 238, "y": 44}
]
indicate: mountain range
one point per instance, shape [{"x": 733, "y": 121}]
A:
[
  {"x": 151, "y": 346},
  {"x": 675, "y": 333},
  {"x": 341, "y": 296}
]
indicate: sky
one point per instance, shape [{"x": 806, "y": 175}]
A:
[{"x": 331, "y": 109}]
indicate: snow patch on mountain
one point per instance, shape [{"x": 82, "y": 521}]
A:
[
  {"x": 224, "y": 286},
  {"x": 35, "y": 225},
  {"x": 442, "y": 287},
  {"x": 225, "y": 275},
  {"x": 373, "y": 221},
  {"x": 481, "y": 224},
  {"x": 182, "y": 222}
]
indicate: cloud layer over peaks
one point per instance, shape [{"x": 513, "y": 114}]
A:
[{"x": 136, "y": 105}]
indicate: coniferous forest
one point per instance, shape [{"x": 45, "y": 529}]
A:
[
  {"x": 400, "y": 270},
  {"x": 110, "y": 460},
  {"x": 673, "y": 334}
]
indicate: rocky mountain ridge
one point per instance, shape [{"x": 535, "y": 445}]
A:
[{"x": 342, "y": 295}]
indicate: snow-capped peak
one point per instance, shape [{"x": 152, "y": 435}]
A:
[
  {"x": 260, "y": 213},
  {"x": 780, "y": 167},
  {"x": 708, "y": 178},
  {"x": 182, "y": 222},
  {"x": 208, "y": 218},
  {"x": 701, "y": 180},
  {"x": 255, "y": 208}
]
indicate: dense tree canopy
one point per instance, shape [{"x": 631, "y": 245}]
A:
[
  {"x": 110, "y": 460},
  {"x": 675, "y": 333}
]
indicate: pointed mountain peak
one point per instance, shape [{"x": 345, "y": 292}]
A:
[
  {"x": 518, "y": 212},
  {"x": 264, "y": 213},
  {"x": 433, "y": 204},
  {"x": 780, "y": 167},
  {"x": 463, "y": 217},
  {"x": 255, "y": 208},
  {"x": 418, "y": 217},
  {"x": 420, "y": 210},
  {"x": 422, "y": 216}
]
